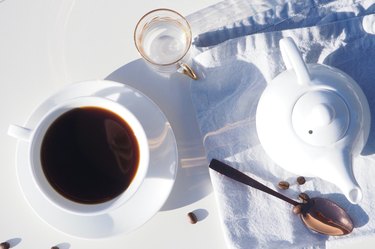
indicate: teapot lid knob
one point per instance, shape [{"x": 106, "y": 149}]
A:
[{"x": 320, "y": 117}]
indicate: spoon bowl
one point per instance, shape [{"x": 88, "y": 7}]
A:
[
  {"x": 326, "y": 217},
  {"x": 320, "y": 215}
]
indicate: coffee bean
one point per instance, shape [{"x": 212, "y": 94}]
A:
[
  {"x": 4, "y": 245},
  {"x": 283, "y": 185},
  {"x": 192, "y": 218},
  {"x": 55, "y": 247},
  {"x": 301, "y": 180},
  {"x": 304, "y": 197},
  {"x": 297, "y": 209}
]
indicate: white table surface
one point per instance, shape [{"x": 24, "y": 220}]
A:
[{"x": 48, "y": 44}]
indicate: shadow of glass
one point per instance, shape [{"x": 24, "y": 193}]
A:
[{"x": 172, "y": 95}]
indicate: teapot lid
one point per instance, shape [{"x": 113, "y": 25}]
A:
[{"x": 320, "y": 117}]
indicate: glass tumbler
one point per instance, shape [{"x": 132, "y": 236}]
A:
[{"x": 163, "y": 38}]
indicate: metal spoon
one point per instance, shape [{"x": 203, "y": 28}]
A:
[{"x": 318, "y": 214}]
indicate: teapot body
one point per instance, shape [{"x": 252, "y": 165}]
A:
[{"x": 313, "y": 125}]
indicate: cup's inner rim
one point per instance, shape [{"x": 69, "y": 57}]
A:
[{"x": 52, "y": 194}]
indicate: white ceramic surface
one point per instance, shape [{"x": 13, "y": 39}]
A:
[
  {"x": 152, "y": 193},
  {"x": 313, "y": 119},
  {"x": 34, "y": 138}
]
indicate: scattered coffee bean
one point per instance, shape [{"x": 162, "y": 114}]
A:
[
  {"x": 4, "y": 245},
  {"x": 301, "y": 180},
  {"x": 304, "y": 197},
  {"x": 192, "y": 218},
  {"x": 297, "y": 209},
  {"x": 55, "y": 247},
  {"x": 283, "y": 185}
]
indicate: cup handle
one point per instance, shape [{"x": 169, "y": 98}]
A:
[
  {"x": 187, "y": 70},
  {"x": 19, "y": 132}
]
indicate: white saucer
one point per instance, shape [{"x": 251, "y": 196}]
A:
[{"x": 153, "y": 192}]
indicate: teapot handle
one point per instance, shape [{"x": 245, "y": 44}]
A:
[{"x": 293, "y": 60}]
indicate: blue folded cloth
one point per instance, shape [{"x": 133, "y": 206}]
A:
[{"x": 235, "y": 61}]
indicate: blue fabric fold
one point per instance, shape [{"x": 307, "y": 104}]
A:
[
  {"x": 289, "y": 15},
  {"x": 235, "y": 63}
]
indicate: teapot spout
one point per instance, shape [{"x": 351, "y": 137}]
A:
[{"x": 338, "y": 170}]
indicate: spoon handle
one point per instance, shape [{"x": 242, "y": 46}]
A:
[{"x": 237, "y": 175}]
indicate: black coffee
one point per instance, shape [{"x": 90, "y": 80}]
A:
[{"x": 89, "y": 155}]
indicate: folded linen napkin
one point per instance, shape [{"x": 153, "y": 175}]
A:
[{"x": 234, "y": 69}]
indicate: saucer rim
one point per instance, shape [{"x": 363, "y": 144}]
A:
[{"x": 22, "y": 146}]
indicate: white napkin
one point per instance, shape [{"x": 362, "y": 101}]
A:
[{"x": 234, "y": 69}]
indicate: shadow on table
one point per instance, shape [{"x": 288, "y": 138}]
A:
[
  {"x": 63, "y": 245},
  {"x": 15, "y": 241},
  {"x": 172, "y": 95}
]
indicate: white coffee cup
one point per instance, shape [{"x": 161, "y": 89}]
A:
[{"x": 34, "y": 137}]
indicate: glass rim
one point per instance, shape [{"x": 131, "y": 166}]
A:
[{"x": 146, "y": 57}]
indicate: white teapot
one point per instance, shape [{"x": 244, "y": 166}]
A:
[{"x": 312, "y": 120}]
